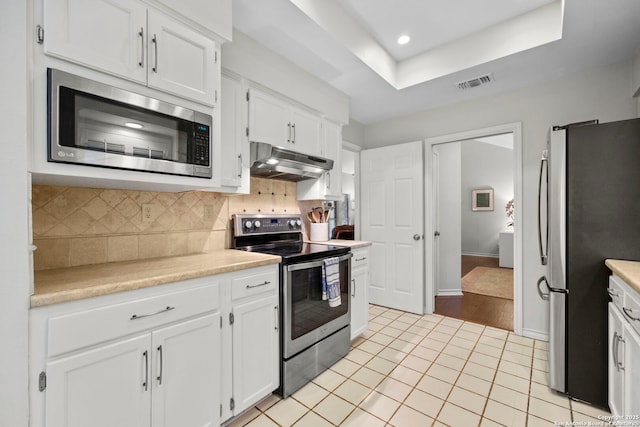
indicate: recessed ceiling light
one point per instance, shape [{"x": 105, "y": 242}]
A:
[
  {"x": 133, "y": 125},
  {"x": 404, "y": 39}
]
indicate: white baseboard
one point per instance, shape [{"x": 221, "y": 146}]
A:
[
  {"x": 449, "y": 292},
  {"x": 536, "y": 335},
  {"x": 481, "y": 254}
]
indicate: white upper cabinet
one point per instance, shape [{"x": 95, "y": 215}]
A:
[
  {"x": 129, "y": 39},
  {"x": 107, "y": 35},
  {"x": 182, "y": 61},
  {"x": 274, "y": 121},
  {"x": 234, "y": 149}
]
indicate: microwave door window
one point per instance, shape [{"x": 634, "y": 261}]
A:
[{"x": 111, "y": 127}]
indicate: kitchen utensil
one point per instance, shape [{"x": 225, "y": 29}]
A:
[
  {"x": 316, "y": 215},
  {"x": 326, "y": 216},
  {"x": 310, "y": 216}
]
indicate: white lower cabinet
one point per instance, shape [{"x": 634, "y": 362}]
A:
[
  {"x": 624, "y": 349},
  {"x": 102, "y": 387},
  {"x": 251, "y": 340},
  {"x": 359, "y": 291},
  {"x": 149, "y": 357}
]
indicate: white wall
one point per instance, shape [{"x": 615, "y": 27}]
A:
[
  {"x": 14, "y": 258},
  {"x": 248, "y": 58},
  {"x": 602, "y": 93},
  {"x": 354, "y": 132},
  {"x": 485, "y": 166}
]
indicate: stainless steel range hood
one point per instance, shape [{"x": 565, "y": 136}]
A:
[{"x": 269, "y": 161}]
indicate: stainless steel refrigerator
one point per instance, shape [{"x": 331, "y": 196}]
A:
[{"x": 589, "y": 210}]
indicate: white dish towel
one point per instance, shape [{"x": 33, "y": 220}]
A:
[{"x": 331, "y": 281}]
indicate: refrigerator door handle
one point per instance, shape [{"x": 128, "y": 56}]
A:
[
  {"x": 543, "y": 295},
  {"x": 543, "y": 253}
]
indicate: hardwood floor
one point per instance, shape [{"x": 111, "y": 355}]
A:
[{"x": 490, "y": 311}]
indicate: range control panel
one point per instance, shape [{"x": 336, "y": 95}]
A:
[{"x": 245, "y": 225}]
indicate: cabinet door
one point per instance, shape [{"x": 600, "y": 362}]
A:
[
  {"x": 256, "y": 356},
  {"x": 234, "y": 159},
  {"x": 333, "y": 150},
  {"x": 108, "y": 35},
  {"x": 269, "y": 119},
  {"x": 632, "y": 372},
  {"x": 186, "y": 374},
  {"x": 306, "y": 132},
  {"x": 104, "y": 387},
  {"x": 182, "y": 61},
  {"x": 616, "y": 361},
  {"x": 359, "y": 302}
]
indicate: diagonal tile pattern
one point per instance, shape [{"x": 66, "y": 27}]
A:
[{"x": 410, "y": 370}]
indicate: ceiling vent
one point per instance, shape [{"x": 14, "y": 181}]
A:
[{"x": 475, "y": 82}]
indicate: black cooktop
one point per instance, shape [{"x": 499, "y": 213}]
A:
[{"x": 297, "y": 252}]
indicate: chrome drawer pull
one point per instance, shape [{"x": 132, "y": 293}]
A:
[
  {"x": 628, "y": 312},
  {"x": 361, "y": 259},
  {"x": 612, "y": 293},
  {"x": 265, "y": 283},
  {"x": 136, "y": 316}
]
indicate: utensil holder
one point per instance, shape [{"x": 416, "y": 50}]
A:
[{"x": 319, "y": 231}]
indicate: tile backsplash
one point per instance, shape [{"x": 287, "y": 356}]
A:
[{"x": 75, "y": 226}]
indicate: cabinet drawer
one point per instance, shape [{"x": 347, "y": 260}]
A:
[
  {"x": 254, "y": 283},
  {"x": 360, "y": 258},
  {"x": 631, "y": 309},
  {"x": 84, "y": 328},
  {"x": 616, "y": 291}
]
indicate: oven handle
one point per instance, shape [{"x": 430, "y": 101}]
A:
[{"x": 312, "y": 264}]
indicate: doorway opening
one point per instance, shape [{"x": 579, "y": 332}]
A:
[{"x": 475, "y": 180}]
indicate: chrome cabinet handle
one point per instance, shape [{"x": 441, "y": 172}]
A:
[
  {"x": 614, "y": 349},
  {"x": 141, "y": 34},
  {"x": 627, "y": 312},
  {"x": 160, "y": 354},
  {"x": 289, "y": 126},
  {"x": 416, "y": 237},
  {"x": 293, "y": 129},
  {"x": 265, "y": 283},
  {"x": 353, "y": 293},
  {"x": 145, "y": 384},
  {"x": 328, "y": 180},
  {"x": 612, "y": 293},
  {"x": 277, "y": 317},
  {"x": 543, "y": 253},
  {"x": 239, "y": 165},
  {"x": 154, "y": 40},
  {"x": 141, "y": 316},
  {"x": 361, "y": 259}
]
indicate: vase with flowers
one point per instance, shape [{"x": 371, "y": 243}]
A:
[{"x": 509, "y": 208}]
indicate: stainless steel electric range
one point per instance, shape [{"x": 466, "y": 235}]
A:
[{"x": 313, "y": 335}]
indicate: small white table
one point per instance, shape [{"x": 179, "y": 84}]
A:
[{"x": 505, "y": 247}]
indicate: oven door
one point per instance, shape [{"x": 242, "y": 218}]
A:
[{"x": 307, "y": 317}]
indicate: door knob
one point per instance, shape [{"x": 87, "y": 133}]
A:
[
  {"x": 437, "y": 233},
  {"x": 416, "y": 237}
]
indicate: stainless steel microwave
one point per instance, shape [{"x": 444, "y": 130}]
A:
[{"x": 94, "y": 124}]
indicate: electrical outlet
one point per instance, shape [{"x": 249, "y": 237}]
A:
[
  {"x": 208, "y": 212},
  {"x": 149, "y": 212}
]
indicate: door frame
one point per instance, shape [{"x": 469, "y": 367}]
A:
[{"x": 516, "y": 129}]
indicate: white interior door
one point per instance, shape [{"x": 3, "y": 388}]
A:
[
  {"x": 447, "y": 239},
  {"x": 393, "y": 221}
]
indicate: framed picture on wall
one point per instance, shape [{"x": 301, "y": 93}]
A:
[{"x": 482, "y": 199}]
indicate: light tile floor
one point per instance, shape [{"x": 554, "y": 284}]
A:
[{"x": 411, "y": 370}]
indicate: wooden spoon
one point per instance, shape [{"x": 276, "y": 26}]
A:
[
  {"x": 310, "y": 216},
  {"x": 316, "y": 215},
  {"x": 326, "y": 216}
]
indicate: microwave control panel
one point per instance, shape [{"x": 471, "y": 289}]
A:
[{"x": 200, "y": 147}]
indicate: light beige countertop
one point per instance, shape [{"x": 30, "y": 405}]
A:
[
  {"x": 629, "y": 271},
  {"x": 350, "y": 243},
  {"x": 74, "y": 283}
]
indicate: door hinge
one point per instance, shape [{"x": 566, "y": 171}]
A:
[
  {"x": 247, "y": 96},
  {"x": 42, "y": 381},
  {"x": 39, "y": 34},
  {"x": 247, "y": 131},
  {"x": 221, "y": 409},
  {"x": 220, "y": 322},
  {"x": 232, "y": 404},
  {"x": 231, "y": 318},
  {"x": 216, "y": 57},
  {"x": 216, "y": 96}
]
